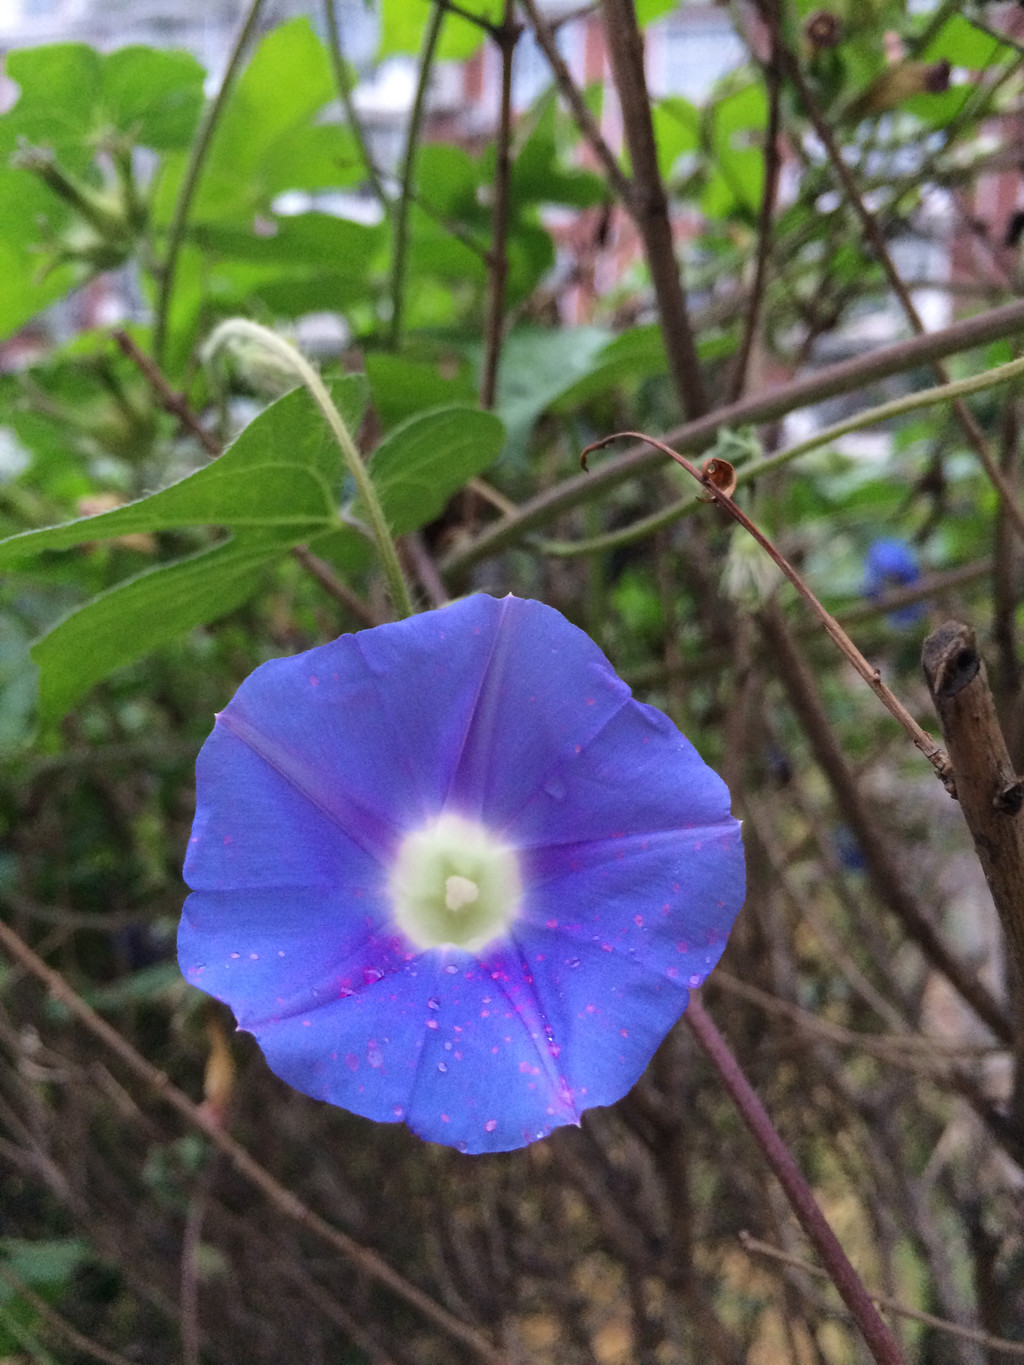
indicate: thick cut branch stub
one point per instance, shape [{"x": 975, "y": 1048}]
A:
[{"x": 988, "y": 789}]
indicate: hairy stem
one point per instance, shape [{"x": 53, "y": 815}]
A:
[{"x": 307, "y": 375}]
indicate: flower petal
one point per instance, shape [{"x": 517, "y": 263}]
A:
[
  {"x": 614, "y": 935},
  {"x": 635, "y": 775},
  {"x": 438, "y": 1044},
  {"x": 547, "y": 691},
  {"x": 276, "y": 952},
  {"x": 255, "y": 827},
  {"x": 370, "y": 727}
]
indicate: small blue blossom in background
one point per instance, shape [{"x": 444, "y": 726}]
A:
[
  {"x": 892, "y": 563},
  {"x": 448, "y": 872}
]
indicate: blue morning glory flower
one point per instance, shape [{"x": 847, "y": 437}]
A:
[
  {"x": 448, "y": 872},
  {"x": 892, "y": 563}
]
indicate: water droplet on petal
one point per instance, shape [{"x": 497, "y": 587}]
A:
[
  {"x": 372, "y": 974},
  {"x": 432, "y": 1004},
  {"x": 432, "y": 1023},
  {"x": 572, "y": 962},
  {"x": 695, "y": 980},
  {"x": 442, "y": 1066},
  {"x": 555, "y": 788},
  {"x": 451, "y": 969}
]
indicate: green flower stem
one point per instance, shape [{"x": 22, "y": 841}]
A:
[
  {"x": 400, "y": 248},
  {"x": 657, "y": 521},
  {"x": 283, "y": 351},
  {"x": 197, "y": 158}
]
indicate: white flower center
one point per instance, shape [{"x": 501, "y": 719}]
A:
[
  {"x": 460, "y": 891},
  {"x": 454, "y": 883}
]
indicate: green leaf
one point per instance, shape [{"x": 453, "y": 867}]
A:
[
  {"x": 434, "y": 251},
  {"x": 676, "y": 131},
  {"x": 538, "y": 177},
  {"x": 70, "y": 97},
  {"x": 315, "y": 240},
  {"x": 156, "y": 97},
  {"x": 311, "y": 262},
  {"x": 25, "y": 203},
  {"x": 961, "y": 44},
  {"x": 18, "y": 684},
  {"x": 283, "y": 470},
  {"x": 646, "y": 10},
  {"x": 738, "y": 120},
  {"x": 59, "y": 89},
  {"x": 403, "y": 22},
  {"x": 538, "y": 366},
  {"x": 638, "y": 353},
  {"x": 42, "y": 1261},
  {"x": 448, "y": 180},
  {"x": 402, "y": 387},
  {"x": 259, "y": 142},
  {"x": 145, "y": 612},
  {"x": 429, "y": 458}
]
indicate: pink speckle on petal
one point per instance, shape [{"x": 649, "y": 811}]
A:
[
  {"x": 638, "y": 920},
  {"x": 314, "y": 681},
  {"x": 490, "y": 1125}
]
